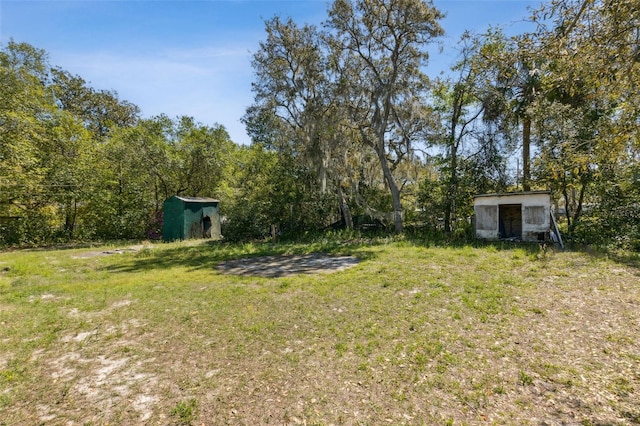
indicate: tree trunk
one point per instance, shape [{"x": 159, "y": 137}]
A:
[
  {"x": 567, "y": 210},
  {"x": 70, "y": 218},
  {"x": 526, "y": 143},
  {"x": 393, "y": 188},
  {"x": 344, "y": 208},
  {"x": 452, "y": 189},
  {"x": 578, "y": 212}
]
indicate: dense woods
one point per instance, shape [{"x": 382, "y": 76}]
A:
[{"x": 347, "y": 127}]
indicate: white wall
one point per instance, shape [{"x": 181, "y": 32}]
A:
[{"x": 536, "y": 211}]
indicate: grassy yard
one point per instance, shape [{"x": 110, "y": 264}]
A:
[{"x": 411, "y": 335}]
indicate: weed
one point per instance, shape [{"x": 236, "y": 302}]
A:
[
  {"x": 399, "y": 395},
  {"x": 499, "y": 390},
  {"x": 13, "y": 372},
  {"x": 284, "y": 284},
  {"x": 622, "y": 387},
  {"x": 547, "y": 370},
  {"x": 341, "y": 348},
  {"x": 519, "y": 254},
  {"x": 362, "y": 350},
  {"x": 524, "y": 379},
  {"x": 185, "y": 411}
]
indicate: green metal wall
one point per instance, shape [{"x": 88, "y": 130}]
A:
[
  {"x": 173, "y": 220},
  {"x": 190, "y": 218}
]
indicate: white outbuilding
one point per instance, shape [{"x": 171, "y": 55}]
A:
[{"x": 515, "y": 216}]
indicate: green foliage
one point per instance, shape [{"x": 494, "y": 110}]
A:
[
  {"x": 475, "y": 175},
  {"x": 615, "y": 222},
  {"x": 340, "y": 116},
  {"x": 77, "y": 163},
  {"x": 347, "y": 102},
  {"x": 271, "y": 190},
  {"x": 100, "y": 111},
  {"x": 49, "y": 152}
]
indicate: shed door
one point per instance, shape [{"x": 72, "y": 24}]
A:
[
  {"x": 510, "y": 221},
  {"x": 206, "y": 225}
]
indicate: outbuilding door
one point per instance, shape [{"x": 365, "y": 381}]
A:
[
  {"x": 510, "y": 221},
  {"x": 206, "y": 226}
]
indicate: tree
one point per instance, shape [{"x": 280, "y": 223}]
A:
[
  {"x": 590, "y": 81},
  {"x": 100, "y": 110},
  {"x": 567, "y": 163},
  {"x": 512, "y": 67},
  {"x": 78, "y": 162},
  {"x": 291, "y": 81},
  {"x": 200, "y": 155},
  {"x": 48, "y": 145},
  {"x": 27, "y": 112},
  {"x": 68, "y": 157},
  {"x": 295, "y": 104},
  {"x": 24, "y": 106},
  {"x": 460, "y": 104},
  {"x": 378, "y": 49},
  {"x": 269, "y": 187},
  {"x": 357, "y": 88}
]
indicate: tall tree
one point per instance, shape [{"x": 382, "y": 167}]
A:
[
  {"x": 25, "y": 105},
  {"x": 202, "y": 154},
  {"x": 379, "y": 46},
  {"x": 291, "y": 83},
  {"x": 69, "y": 160},
  {"x": 516, "y": 66},
  {"x": 296, "y": 105},
  {"x": 459, "y": 103}
]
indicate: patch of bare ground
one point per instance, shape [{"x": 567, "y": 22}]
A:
[
  {"x": 112, "y": 251},
  {"x": 283, "y": 266},
  {"x": 90, "y": 377}
]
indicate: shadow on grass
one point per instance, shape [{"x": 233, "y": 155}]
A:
[
  {"x": 208, "y": 254},
  {"x": 197, "y": 255},
  {"x": 444, "y": 241},
  {"x": 630, "y": 259},
  {"x": 441, "y": 240},
  {"x": 623, "y": 257}
]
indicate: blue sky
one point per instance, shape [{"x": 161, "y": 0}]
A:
[{"x": 194, "y": 57}]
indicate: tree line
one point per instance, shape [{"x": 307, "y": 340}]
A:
[
  {"x": 346, "y": 126},
  {"x": 353, "y": 101},
  {"x": 77, "y": 163}
]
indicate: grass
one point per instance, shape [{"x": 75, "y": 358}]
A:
[
  {"x": 414, "y": 334},
  {"x": 184, "y": 411}
]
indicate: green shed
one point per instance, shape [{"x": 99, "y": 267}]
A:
[{"x": 190, "y": 217}]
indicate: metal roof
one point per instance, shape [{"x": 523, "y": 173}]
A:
[
  {"x": 506, "y": 194},
  {"x": 197, "y": 199}
]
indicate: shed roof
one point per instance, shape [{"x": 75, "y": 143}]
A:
[
  {"x": 506, "y": 194},
  {"x": 197, "y": 199}
]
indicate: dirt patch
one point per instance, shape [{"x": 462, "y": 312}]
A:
[
  {"x": 103, "y": 382},
  {"x": 283, "y": 266},
  {"x": 90, "y": 254}
]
